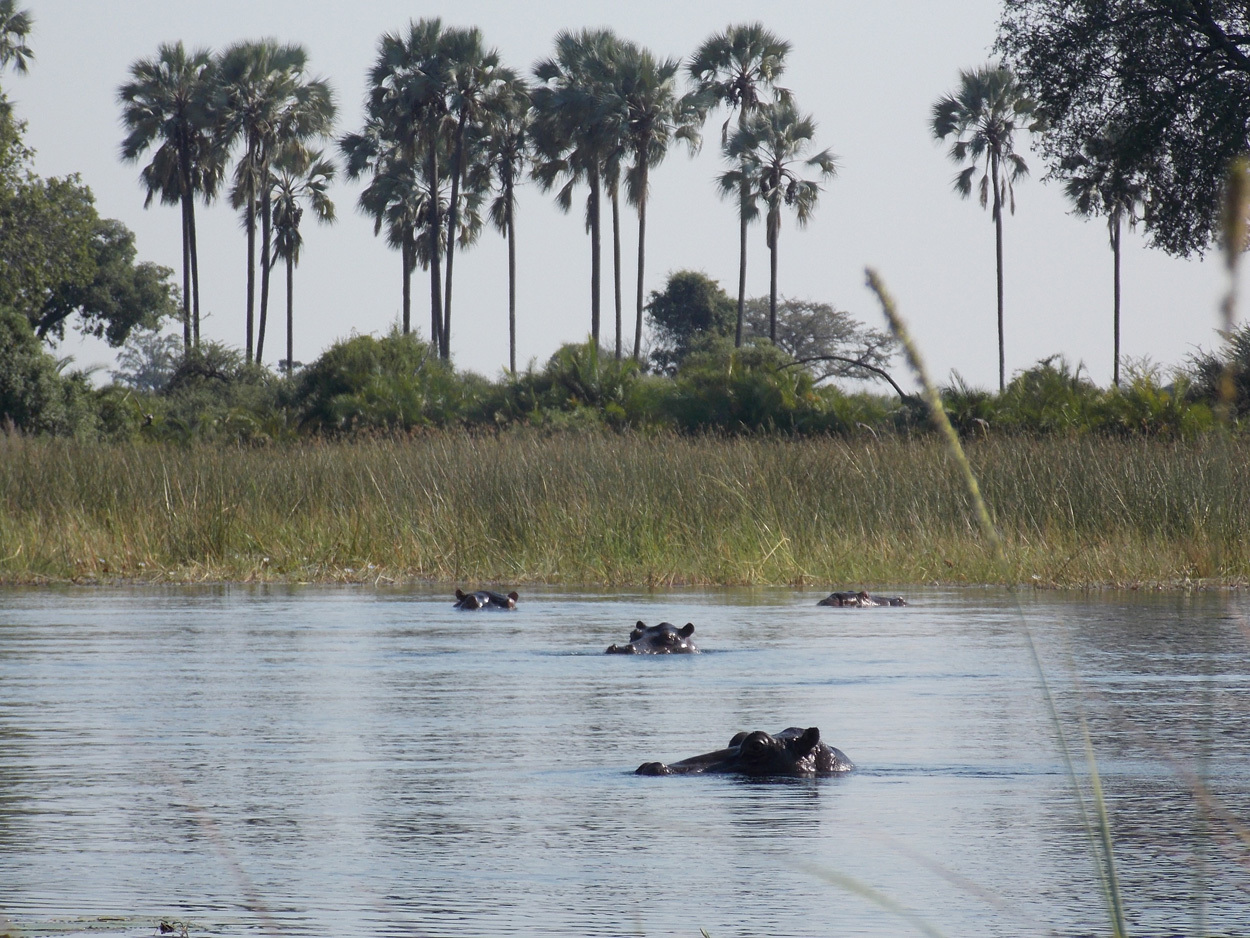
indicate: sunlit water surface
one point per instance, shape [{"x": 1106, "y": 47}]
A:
[{"x": 358, "y": 762}]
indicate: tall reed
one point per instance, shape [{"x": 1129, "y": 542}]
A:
[{"x": 603, "y": 508}]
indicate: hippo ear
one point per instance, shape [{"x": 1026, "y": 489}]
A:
[
  {"x": 807, "y": 742},
  {"x": 513, "y": 596},
  {"x": 737, "y": 740},
  {"x": 686, "y": 630},
  {"x": 640, "y": 624},
  {"x": 459, "y": 594}
]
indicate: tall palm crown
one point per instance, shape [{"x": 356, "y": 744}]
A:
[
  {"x": 574, "y": 131},
  {"x": 739, "y": 68},
  {"x": 653, "y": 115},
  {"x": 15, "y": 26},
  {"x": 983, "y": 117},
  {"x": 168, "y": 104},
  {"x": 1098, "y": 184},
  {"x": 767, "y": 158},
  {"x": 267, "y": 102}
]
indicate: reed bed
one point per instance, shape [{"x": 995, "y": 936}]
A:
[{"x": 608, "y": 509}]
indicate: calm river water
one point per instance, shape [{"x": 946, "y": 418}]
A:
[{"x": 359, "y": 762}]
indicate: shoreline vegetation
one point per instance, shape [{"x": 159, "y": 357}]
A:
[{"x": 606, "y": 508}]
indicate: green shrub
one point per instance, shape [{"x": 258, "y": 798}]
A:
[{"x": 34, "y": 396}]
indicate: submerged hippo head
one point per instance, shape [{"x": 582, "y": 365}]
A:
[
  {"x": 860, "y": 600},
  {"x": 485, "y": 599},
  {"x": 662, "y": 639},
  {"x": 794, "y": 751}
]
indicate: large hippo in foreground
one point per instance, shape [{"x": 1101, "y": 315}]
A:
[
  {"x": 793, "y": 751},
  {"x": 861, "y": 599},
  {"x": 662, "y": 639},
  {"x": 485, "y": 599}
]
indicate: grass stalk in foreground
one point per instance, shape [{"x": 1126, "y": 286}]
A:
[{"x": 1100, "y": 839}]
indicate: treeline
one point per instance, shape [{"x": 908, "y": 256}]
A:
[{"x": 398, "y": 384}]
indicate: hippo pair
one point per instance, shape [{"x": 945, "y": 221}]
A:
[
  {"x": 794, "y": 751},
  {"x": 861, "y": 599},
  {"x": 485, "y": 599}
]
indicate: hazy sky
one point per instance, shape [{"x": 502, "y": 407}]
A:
[{"x": 868, "y": 73}]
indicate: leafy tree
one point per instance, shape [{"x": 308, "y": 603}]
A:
[
  {"x": 574, "y": 132},
  {"x": 267, "y": 102},
  {"x": 739, "y": 68},
  {"x": 147, "y": 360},
  {"x": 766, "y": 155},
  {"x": 299, "y": 177},
  {"x": 60, "y": 258},
  {"x": 15, "y": 26},
  {"x": 828, "y": 342},
  {"x": 1173, "y": 79},
  {"x": 168, "y": 107},
  {"x": 119, "y": 296},
  {"x": 691, "y": 308},
  {"x": 1098, "y": 185},
  {"x": 983, "y": 117},
  {"x": 1223, "y": 377}
]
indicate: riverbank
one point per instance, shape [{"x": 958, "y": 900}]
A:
[{"x": 607, "y": 509}]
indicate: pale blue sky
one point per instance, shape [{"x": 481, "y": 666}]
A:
[{"x": 868, "y": 73}]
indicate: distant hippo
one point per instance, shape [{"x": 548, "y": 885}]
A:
[
  {"x": 793, "y": 751},
  {"x": 860, "y": 599},
  {"x": 662, "y": 639},
  {"x": 485, "y": 599}
]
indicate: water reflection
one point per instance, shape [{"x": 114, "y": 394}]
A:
[{"x": 326, "y": 762}]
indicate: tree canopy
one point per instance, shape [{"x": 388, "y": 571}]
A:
[
  {"x": 690, "y": 306},
  {"x": 1172, "y": 79}
]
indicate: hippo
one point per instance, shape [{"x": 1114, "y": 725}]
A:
[
  {"x": 485, "y": 599},
  {"x": 662, "y": 639},
  {"x": 860, "y": 599},
  {"x": 794, "y": 751}
]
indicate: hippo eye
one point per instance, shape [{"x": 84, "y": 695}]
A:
[{"x": 635, "y": 635}]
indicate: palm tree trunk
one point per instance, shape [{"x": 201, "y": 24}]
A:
[
  {"x": 186, "y": 272},
  {"x": 251, "y": 273},
  {"x": 511, "y": 288},
  {"x": 195, "y": 281},
  {"x": 595, "y": 267},
  {"x": 1115, "y": 247},
  {"x": 616, "y": 262},
  {"x": 266, "y": 239},
  {"x": 436, "y": 272},
  {"x": 772, "y": 285},
  {"x": 453, "y": 213},
  {"x": 642, "y": 259},
  {"x": 742, "y": 263},
  {"x": 998, "y": 255},
  {"x": 290, "y": 315},
  {"x": 406, "y": 251}
]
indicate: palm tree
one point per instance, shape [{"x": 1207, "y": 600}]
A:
[
  {"x": 267, "y": 103},
  {"x": 739, "y": 68},
  {"x": 573, "y": 133},
  {"x": 506, "y": 149},
  {"x": 983, "y": 117},
  {"x": 168, "y": 100},
  {"x": 299, "y": 177},
  {"x": 766, "y": 157},
  {"x": 654, "y": 115},
  {"x": 15, "y": 26},
  {"x": 1098, "y": 185},
  {"x": 474, "y": 76}
]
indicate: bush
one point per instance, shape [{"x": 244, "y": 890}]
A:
[{"x": 34, "y": 396}]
